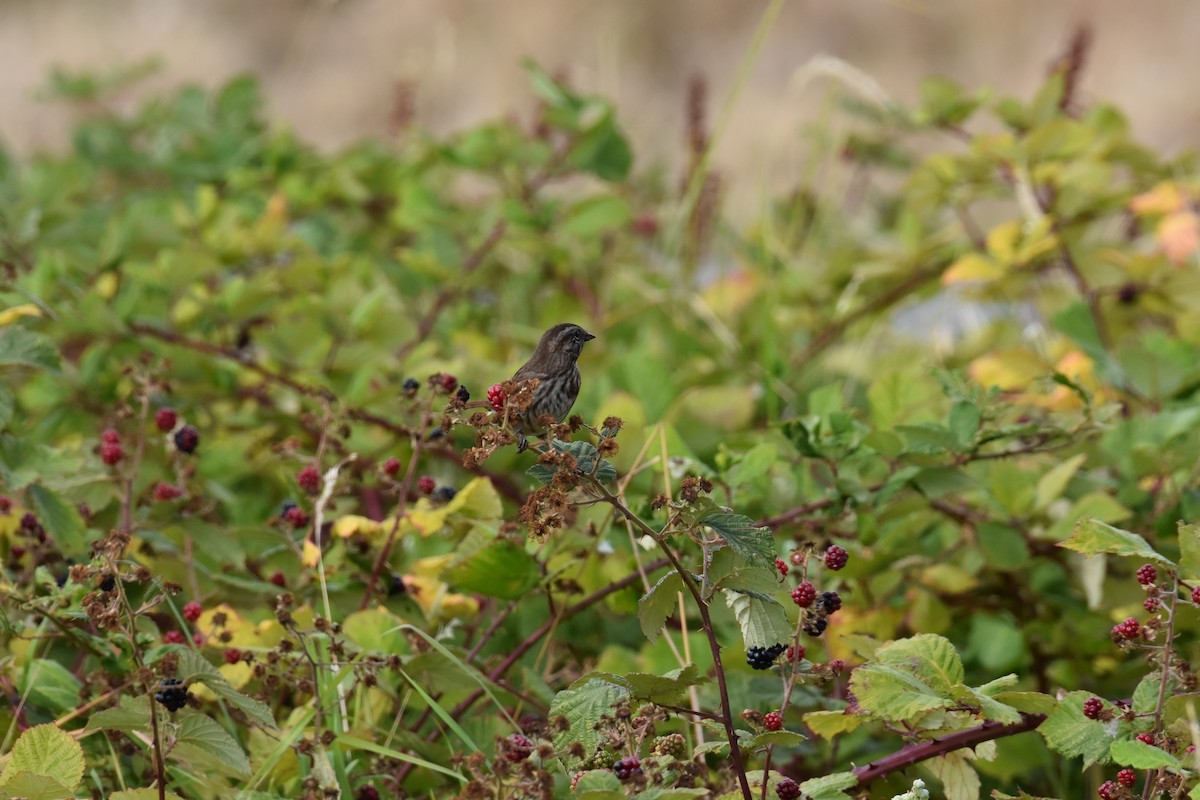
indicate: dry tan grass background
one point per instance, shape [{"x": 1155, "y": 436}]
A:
[{"x": 329, "y": 67}]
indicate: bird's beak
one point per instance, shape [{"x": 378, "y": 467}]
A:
[{"x": 588, "y": 336}]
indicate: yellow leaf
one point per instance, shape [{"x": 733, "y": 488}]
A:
[
  {"x": 728, "y": 296},
  {"x": 347, "y": 526},
  {"x": 1002, "y": 241},
  {"x": 107, "y": 284},
  {"x": 433, "y": 566},
  {"x": 1162, "y": 199},
  {"x": 1011, "y": 369},
  {"x": 11, "y": 315},
  {"x": 427, "y": 519},
  {"x": 972, "y": 267},
  {"x": 1179, "y": 235},
  {"x": 311, "y": 554},
  {"x": 437, "y": 602}
]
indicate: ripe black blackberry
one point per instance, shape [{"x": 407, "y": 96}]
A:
[
  {"x": 816, "y": 626},
  {"x": 829, "y": 602},
  {"x": 411, "y": 385},
  {"x": 187, "y": 439},
  {"x": 787, "y": 789},
  {"x": 764, "y": 657},
  {"x": 627, "y": 768},
  {"x": 172, "y": 694},
  {"x": 444, "y": 494},
  {"x": 108, "y": 583},
  {"x": 462, "y": 394}
]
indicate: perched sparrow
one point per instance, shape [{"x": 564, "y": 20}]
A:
[{"x": 553, "y": 365}]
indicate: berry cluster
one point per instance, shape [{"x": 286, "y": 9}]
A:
[
  {"x": 836, "y": 557},
  {"x": 764, "y": 657},
  {"x": 782, "y": 566},
  {"x": 391, "y": 467},
  {"x": 628, "y": 768},
  {"x": 1109, "y": 790},
  {"x": 1127, "y": 777},
  {"x": 309, "y": 479},
  {"x": 773, "y": 721},
  {"x": 411, "y": 385},
  {"x": 1129, "y": 629},
  {"x": 1093, "y": 708},
  {"x": 787, "y": 789},
  {"x": 672, "y": 745},
  {"x": 173, "y": 694},
  {"x": 497, "y": 397},
  {"x": 517, "y": 748},
  {"x": 165, "y": 419},
  {"x": 1147, "y": 574},
  {"x": 187, "y": 439},
  {"x": 829, "y": 603},
  {"x": 165, "y": 492},
  {"x": 111, "y": 451},
  {"x": 804, "y": 594},
  {"x": 192, "y": 611}
]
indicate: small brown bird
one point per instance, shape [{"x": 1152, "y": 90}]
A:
[{"x": 554, "y": 365}]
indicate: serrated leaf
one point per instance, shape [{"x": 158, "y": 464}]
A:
[
  {"x": 762, "y": 619},
  {"x": 1139, "y": 755},
  {"x": 910, "y": 676},
  {"x": 61, "y": 520},
  {"x": 649, "y": 687},
  {"x": 1189, "y": 550},
  {"x": 133, "y": 714},
  {"x": 1028, "y": 702},
  {"x": 146, "y": 794},
  {"x": 828, "y": 724},
  {"x": 777, "y": 738},
  {"x": 1093, "y": 537},
  {"x": 655, "y": 793},
  {"x": 583, "y": 706},
  {"x": 959, "y": 779},
  {"x": 1052, "y": 484},
  {"x": 500, "y": 568},
  {"x": 659, "y": 603},
  {"x": 1068, "y": 732},
  {"x": 755, "y": 545},
  {"x": 23, "y": 347},
  {"x": 990, "y": 709},
  {"x": 195, "y": 669},
  {"x": 47, "y": 751},
  {"x": 829, "y": 787},
  {"x": 28, "y": 786},
  {"x": 204, "y": 734},
  {"x": 928, "y": 656}
]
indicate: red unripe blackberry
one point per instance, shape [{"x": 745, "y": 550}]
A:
[
  {"x": 187, "y": 439},
  {"x": 836, "y": 557},
  {"x": 1093, "y": 707},
  {"x": 836, "y": 666},
  {"x": 782, "y": 566},
  {"x": 787, "y": 789},
  {"x": 233, "y": 655},
  {"x": 645, "y": 226},
  {"x": 448, "y": 382},
  {"x": 368, "y": 793},
  {"x": 627, "y": 768},
  {"x": 391, "y": 467},
  {"x": 164, "y": 492},
  {"x": 278, "y": 579},
  {"x": 173, "y": 637},
  {"x": 192, "y": 611},
  {"x": 1129, "y": 629},
  {"x": 804, "y": 594},
  {"x": 1147, "y": 574},
  {"x": 1196, "y": 595},
  {"x": 1108, "y": 791},
  {"x": 111, "y": 452},
  {"x": 1127, "y": 778},
  {"x": 426, "y": 484},
  {"x": 110, "y": 436},
  {"x": 773, "y": 721},
  {"x": 497, "y": 397},
  {"x": 165, "y": 419},
  {"x": 796, "y": 653},
  {"x": 517, "y": 748},
  {"x": 198, "y": 638},
  {"x": 296, "y": 517},
  {"x": 1151, "y": 604},
  {"x": 5, "y": 505},
  {"x": 1145, "y": 738},
  {"x": 309, "y": 479},
  {"x": 28, "y": 521}
]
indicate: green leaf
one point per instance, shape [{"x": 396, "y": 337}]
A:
[
  {"x": 61, "y": 520},
  {"x": 959, "y": 779},
  {"x": 23, "y": 347},
  {"x": 501, "y": 569},
  {"x": 1006, "y": 549},
  {"x": 964, "y": 423},
  {"x": 1028, "y": 702},
  {"x": 755, "y": 545},
  {"x": 603, "y": 151},
  {"x": 1052, "y": 484},
  {"x": 150, "y": 794},
  {"x": 761, "y": 618},
  {"x": 934, "y": 482},
  {"x": 1092, "y": 537},
  {"x": 132, "y": 714},
  {"x": 649, "y": 687},
  {"x": 828, "y": 724},
  {"x": 656, "y": 793},
  {"x": 202, "y": 733},
  {"x": 754, "y": 464},
  {"x": 930, "y": 657},
  {"x": 1139, "y": 755},
  {"x": 781, "y": 738},
  {"x": 909, "y": 677},
  {"x": 1068, "y": 732},
  {"x": 49, "y": 752},
  {"x": 990, "y": 709},
  {"x": 28, "y": 786},
  {"x": 50, "y": 685},
  {"x": 829, "y": 787},
  {"x": 659, "y": 603},
  {"x": 583, "y": 706},
  {"x": 195, "y": 669},
  {"x": 594, "y": 216},
  {"x": 1189, "y": 550},
  {"x": 6, "y": 405}
]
